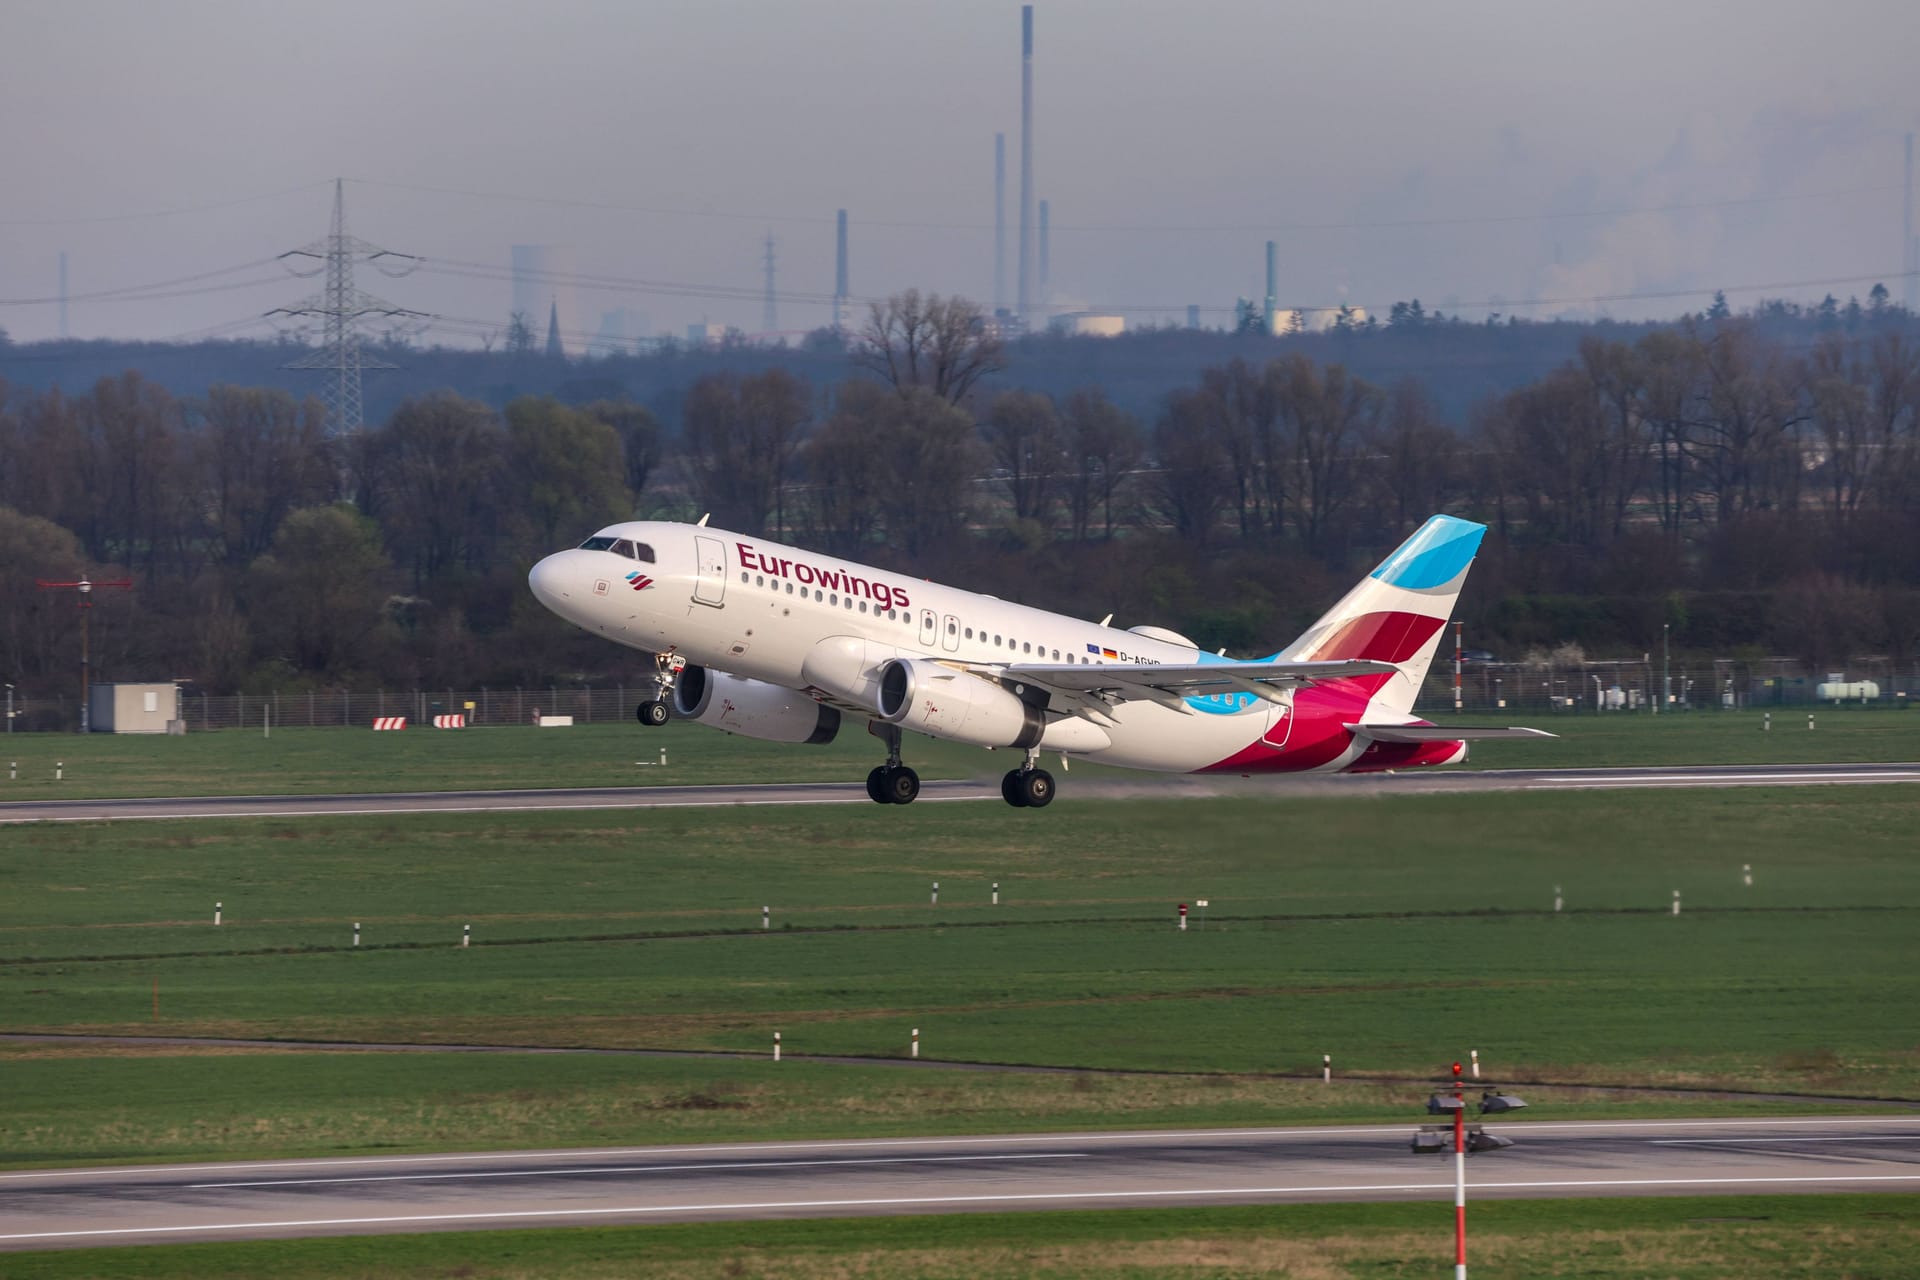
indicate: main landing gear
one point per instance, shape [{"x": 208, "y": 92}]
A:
[
  {"x": 654, "y": 711},
  {"x": 1028, "y": 787},
  {"x": 892, "y": 782}
]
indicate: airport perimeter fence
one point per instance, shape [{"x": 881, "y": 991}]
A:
[{"x": 1485, "y": 687}]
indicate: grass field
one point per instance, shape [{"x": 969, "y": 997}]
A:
[
  {"x": 304, "y": 761},
  {"x": 1789, "y": 1238},
  {"x": 1393, "y": 932}
]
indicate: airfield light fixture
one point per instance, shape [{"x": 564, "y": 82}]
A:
[{"x": 1433, "y": 1139}]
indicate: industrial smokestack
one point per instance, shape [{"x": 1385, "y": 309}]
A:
[
  {"x": 1910, "y": 255},
  {"x": 1273, "y": 285},
  {"x": 840, "y": 273},
  {"x": 1043, "y": 254},
  {"x": 999, "y": 222},
  {"x": 1026, "y": 155}
]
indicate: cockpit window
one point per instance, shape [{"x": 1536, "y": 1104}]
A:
[
  {"x": 624, "y": 548},
  {"x": 597, "y": 543},
  {"x": 643, "y": 553}
]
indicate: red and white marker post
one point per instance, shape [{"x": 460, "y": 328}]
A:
[{"x": 1459, "y": 1178}]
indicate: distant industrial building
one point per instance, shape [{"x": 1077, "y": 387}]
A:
[
  {"x": 623, "y": 331},
  {"x": 705, "y": 334},
  {"x": 132, "y": 708},
  {"x": 1087, "y": 324}
]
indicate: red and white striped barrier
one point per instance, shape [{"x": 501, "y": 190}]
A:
[
  {"x": 449, "y": 722},
  {"x": 390, "y": 722}
]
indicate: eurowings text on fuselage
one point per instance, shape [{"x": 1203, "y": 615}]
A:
[{"x": 779, "y": 643}]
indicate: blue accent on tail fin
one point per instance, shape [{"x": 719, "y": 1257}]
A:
[{"x": 1437, "y": 553}]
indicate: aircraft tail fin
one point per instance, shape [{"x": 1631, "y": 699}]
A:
[{"x": 1398, "y": 612}]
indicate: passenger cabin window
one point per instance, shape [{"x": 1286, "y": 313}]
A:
[{"x": 597, "y": 543}]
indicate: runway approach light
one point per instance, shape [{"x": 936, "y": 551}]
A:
[{"x": 1494, "y": 1103}]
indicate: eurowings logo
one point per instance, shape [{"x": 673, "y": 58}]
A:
[{"x": 639, "y": 581}]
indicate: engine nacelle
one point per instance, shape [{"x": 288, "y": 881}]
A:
[
  {"x": 752, "y": 708},
  {"x": 943, "y": 703}
]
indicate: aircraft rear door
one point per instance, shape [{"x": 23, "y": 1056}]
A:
[
  {"x": 710, "y": 587},
  {"x": 1279, "y": 722},
  {"x": 951, "y": 640},
  {"x": 929, "y": 628}
]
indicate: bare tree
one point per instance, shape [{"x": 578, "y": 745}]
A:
[
  {"x": 942, "y": 345},
  {"x": 1024, "y": 433},
  {"x": 740, "y": 435},
  {"x": 1104, "y": 445},
  {"x": 1192, "y": 463}
]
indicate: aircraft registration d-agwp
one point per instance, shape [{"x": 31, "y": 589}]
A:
[{"x": 782, "y": 644}]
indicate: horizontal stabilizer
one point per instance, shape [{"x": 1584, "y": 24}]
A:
[{"x": 1441, "y": 732}]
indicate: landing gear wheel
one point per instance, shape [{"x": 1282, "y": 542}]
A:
[
  {"x": 877, "y": 786},
  {"x": 901, "y": 785},
  {"x": 1012, "y": 791},
  {"x": 652, "y": 714},
  {"x": 1036, "y": 788}
]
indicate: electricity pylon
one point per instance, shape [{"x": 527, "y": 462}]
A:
[{"x": 339, "y": 307}]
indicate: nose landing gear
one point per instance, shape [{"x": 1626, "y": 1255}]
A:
[
  {"x": 892, "y": 782},
  {"x": 654, "y": 712}
]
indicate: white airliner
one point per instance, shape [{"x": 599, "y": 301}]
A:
[{"x": 778, "y": 643}]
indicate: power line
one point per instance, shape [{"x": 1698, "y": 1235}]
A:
[
  {"x": 85, "y": 219},
  {"x": 129, "y": 292},
  {"x": 1273, "y": 224}
]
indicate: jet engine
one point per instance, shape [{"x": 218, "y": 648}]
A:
[
  {"x": 752, "y": 708},
  {"x": 943, "y": 703}
]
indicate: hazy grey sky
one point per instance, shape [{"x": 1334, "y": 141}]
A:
[{"x": 1171, "y": 139}]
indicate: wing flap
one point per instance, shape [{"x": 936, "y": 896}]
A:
[{"x": 1133, "y": 679}]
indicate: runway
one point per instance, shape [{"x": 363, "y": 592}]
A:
[
  {"x": 946, "y": 791},
  {"x": 273, "y": 1199}
]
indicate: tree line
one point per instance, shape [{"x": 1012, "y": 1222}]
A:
[{"x": 1756, "y": 488}]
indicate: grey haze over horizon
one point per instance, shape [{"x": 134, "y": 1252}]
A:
[{"x": 1445, "y": 152}]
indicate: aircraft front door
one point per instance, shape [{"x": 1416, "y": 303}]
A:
[{"x": 710, "y": 587}]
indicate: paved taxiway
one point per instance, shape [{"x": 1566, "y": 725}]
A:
[
  {"x": 259, "y": 1199},
  {"x": 935, "y": 791}
]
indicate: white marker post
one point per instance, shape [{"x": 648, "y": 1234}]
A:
[
  {"x": 1746, "y": 874},
  {"x": 1809, "y": 722},
  {"x": 356, "y": 933},
  {"x": 59, "y": 770},
  {"x": 1766, "y": 722},
  {"x": 766, "y": 917},
  {"x": 663, "y": 757},
  {"x": 13, "y": 771},
  {"x": 935, "y": 900},
  {"x": 466, "y": 935},
  {"x": 1183, "y": 917},
  {"x": 1676, "y": 902},
  {"x": 1326, "y": 1068},
  {"x": 216, "y": 915},
  {"x": 776, "y": 1046},
  {"x": 1473, "y": 1056},
  {"x": 915, "y": 1051},
  {"x": 1558, "y": 901},
  {"x": 996, "y": 893}
]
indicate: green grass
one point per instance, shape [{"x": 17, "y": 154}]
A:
[
  {"x": 306, "y": 761},
  {"x": 1394, "y": 933},
  {"x": 1682, "y": 1238}
]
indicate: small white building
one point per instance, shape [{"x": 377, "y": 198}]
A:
[{"x": 132, "y": 708}]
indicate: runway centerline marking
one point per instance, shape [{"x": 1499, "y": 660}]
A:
[
  {"x": 1031, "y": 1197},
  {"x": 644, "y": 1168}
]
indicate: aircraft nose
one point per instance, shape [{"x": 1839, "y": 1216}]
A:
[{"x": 548, "y": 581}]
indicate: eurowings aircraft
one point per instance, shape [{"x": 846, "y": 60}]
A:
[{"x": 782, "y": 644}]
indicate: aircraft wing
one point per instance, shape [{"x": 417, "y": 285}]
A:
[
  {"x": 1169, "y": 683},
  {"x": 1412, "y": 733}
]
